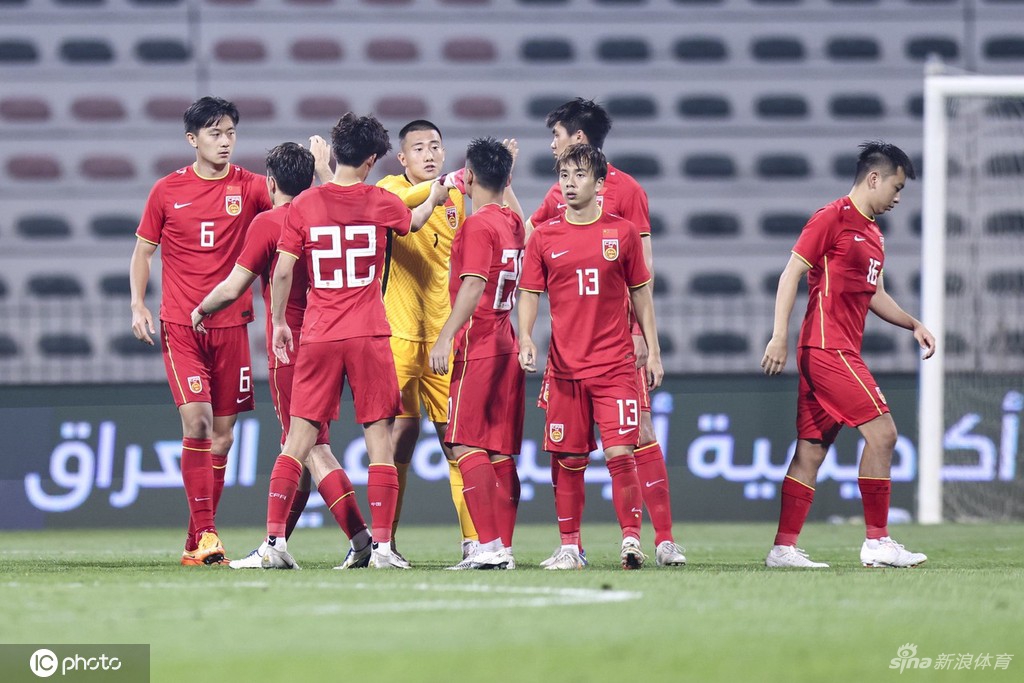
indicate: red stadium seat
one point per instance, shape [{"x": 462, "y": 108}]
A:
[
  {"x": 323, "y": 107},
  {"x": 240, "y": 50},
  {"x": 317, "y": 50},
  {"x": 479, "y": 108},
  {"x": 467, "y": 50},
  {"x": 167, "y": 108},
  {"x": 398, "y": 107},
  {"x": 106, "y": 167},
  {"x": 98, "y": 109},
  {"x": 171, "y": 163},
  {"x": 392, "y": 50},
  {"x": 33, "y": 167},
  {"x": 254, "y": 108},
  {"x": 24, "y": 110}
]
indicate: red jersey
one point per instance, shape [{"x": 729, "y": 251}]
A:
[
  {"x": 342, "y": 233},
  {"x": 845, "y": 250},
  {"x": 200, "y": 225},
  {"x": 621, "y": 195},
  {"x": 489, "y": 246},
  {"x": 585, "y": 269},
  {"x": 259, "y": 256}
]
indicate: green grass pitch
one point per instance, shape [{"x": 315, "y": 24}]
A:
[{"x": 724, "y": 617}]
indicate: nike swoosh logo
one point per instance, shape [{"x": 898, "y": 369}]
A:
[
  {"x": 637, "y": 510},
  {"x": 561, "y": 253},
  {"x": 200, "y": 500},
  {"x": 469, "y": 488},
  {"x": 649, "y": 484},
  {"x": 182, "y": 206},
  {"x": 627, "y": 431},
  {"x": 859, "y": 239},
  {"x": 564, "y": 519},
  {"x": 241, "y": 400}
]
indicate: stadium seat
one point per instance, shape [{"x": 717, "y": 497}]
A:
[
  {"x": 721, "y": 343},
  {"x": 844, "y": 166},
  {"x": 254, "y": 108},
  {"x": 1006, "y": 283},
  {"x": 955, "y": 284},
  {"x": 639, "y": 165},
  {"x": 785, "y": 166},
  {"x": 43, "y": 227},
  {"x": 169, "y": 163},
  {"x": 24, "y": 110},
  {"x": 915, "y": 106},
  {"x": 240, "y": 50},
  {"x": 478, "y": 108},
  {"x": 86, "y": 51},
  {"x": 323, "y": 107},
  {"x": 660, "y": 287},
  {"x": 469, "y": 50},
  {"x": 704, "y": 107},
  {"x": 128, "y": 345},
  {"x": 98, "y": 109},
  {"x": 1005, "y": 48},
  {"x": 921, "y": 47},
  {"x": 847, "y": 49},
  {"x": 1009, "y": 223},
  {"x": 657, "y": 225},
  {"x": 116, "y": 285},
  {"x": 317, "y": 50},
  {"x": 713, "y": 225},
  {"x": 33, "y": 167},
  {"x": 80, "y": 3},
  {"x": 1006, "y": 108},
  {"x": 65, "y": 345},
  {"x": 3, "y": 288},
  {"x": 162, "y": 51},
  {"x": 702, "y": 166},
  {"x": 401, "y": 107},
  {"x": 624, "y": 50},
  {"x": 770, "y": 284},
  {"x": 14, "y": 51},
  {"x": 392, "y": 50},
  {"x": 856, "y": 106},
  {"x": 954, "y": 224},
  {"x": 700, "y": 50},
  {"x": 953, "y": 344},
  {"x": 717, "y": 284},
  {"x": 777, "y": 49},
  {"x": 667, "y": 344},
  {"x": 631, "y": 107},
  {"x": 547, "y": 50},
  {"x": 107, "y": 167},
  {"x": 8, "y": 347},
  {"x": 257, "y": 163},
  {"x": 1005, "y": 165},
  {"x": 540, "y": 107},
  {"x": 113, "y": 226},
  {"x": 543, "y": 2},
  {"x": 1010, "y": 342},
  {"x": 877, "y": 342},
  {"x": 782, "y": 107},
  {"x": 156, "y": 3},
  {"x": 54, "y": 286},
  {"x": 167, "y": 108},
  {"x": 783, "y": 224},
  {"x": 543, "y": 166}
]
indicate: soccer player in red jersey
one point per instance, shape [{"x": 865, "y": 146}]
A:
[
  {"x": 199, "y": 215},
  {"x": 487, "y": 394},
  {"x": 843, "y": 252},
  {"x": 340, "y": 229},
  {"x": 289, "y": 172},
  {"x": 584, "y": 260},
  {"x": 584, "y": 121}
]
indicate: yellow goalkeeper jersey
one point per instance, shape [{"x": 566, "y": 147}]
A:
[{"x": 416, "y": 272}]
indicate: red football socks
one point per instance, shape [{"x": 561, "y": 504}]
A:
[
  {"x": 653, "y": 475},
  {"x": 570, "y": 496},
  {"x": 220, "y": 467},
  {"x": 875, "y": 492},
  {"x": 197, "y": 477},
  {"x": 336, "y": 490},
  {"x": 508, "y": 498},
  {"x": 626, "y": 496},
  {"x": 296, "y": 510},
  {"x": 480, "y": 488},
  {"x": 796, "y": 503},
  {"x": 284, "y": 481},
  {"x": 382, "y": 492}
]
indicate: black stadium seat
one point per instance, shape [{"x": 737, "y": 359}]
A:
[
  {"x": 128, "y": 345},
  {"x": 721, "y": 343},
  {"x": 1010, "y": 223},
  {"x": 783, "y": 224},
  {"x": 54, "y": 286},
  {"x": 162, "y": 51},
  {"x": 540, "y": 107},
  {"x": 624, "y": 50},
  {"x": 65, "y": 345},
  {"x": 8, "y": 347},
  {"x": 777, "y": 49},
  {"x": 856, "y": 106},
  {"x": 112, "y": 225},
  {"x": 784, "y": 166},
  {"x": 86, "y": 51},
  {"x": 853, "y": 49},
  {"x": 639, "y": 165},
  {"x": 115, "y": 285},
  {"x": 18, "y": 51},
  {"x": 547, "y": 50},
  {"x": 782, "y": 107},
  {"x": 921, "y": 47},
  {"x": 1006, "y": 283},
  {"x": 43, "y": 227},
  {"x": 700, "y": 50},
  {"x": 631, "y": 107},
  {"x": 878, "y": 342},
  {"x": 717, "y": 284},
  {"x": 704, "y": 107},
  {"x": 709, "y": 166},
  {"x": 713, "y": 225},
  {"x": 1005, "y": 48}
]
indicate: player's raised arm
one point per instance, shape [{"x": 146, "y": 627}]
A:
[
  {"x": 886, "y": 308},
  {"x": 223, "y": 295},
  {"x": 421, "y": 214},
  {"x": 142, "y": 318},
  {"x": 280, "y": 286},
  {"x": 322, "y": 158},
  {"x": 775, "y": 353}
]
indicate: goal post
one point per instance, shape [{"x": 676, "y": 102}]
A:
[{"x": 939, "y": 90}]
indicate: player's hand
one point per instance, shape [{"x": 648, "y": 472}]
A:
[
  {"x": 640, "y": 350},
  {"x": 321, "y": 155},
  {"x": 655, "y": 371},
  {"x": 197, "y": 321},
  {"x": 438, "y": 193},
  {"x": 774, "y": 356},
  {"x": 142, "y": 324},
  {"x": 455, "y": 180},
  {"x": 527, "y": 355},
  {"x": 926, "y": 340},
  {"x": 512, "y": 145},
  {"x": 282, "y": 340},
  {"x": 439, "y": 355}
]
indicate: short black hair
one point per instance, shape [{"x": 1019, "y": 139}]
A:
[
  {"x": 583, "y": 155},
  {"x": 417, "y": 125},
  {"x": 585, "y": 115},
  {"x": 292, "y": 166},
  {"x": 883, "y": 156},
  {"x": 207, "y": 111},
  {"x": 356, "y": 138},
  {"x": 491, "y": 163}
]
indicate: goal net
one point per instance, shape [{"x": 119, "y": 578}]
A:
[{"x": 972, "y": 393}]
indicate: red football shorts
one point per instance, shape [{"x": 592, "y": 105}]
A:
[
  {"x": 611, "y": 401},
  {"x": 281, "y": 379},
  {"x": 320, "y": 373},
  {"x": 209, "y": 368},
  {"x": 486, "y": 404},
  {"x": 836, "y": 389},
  {"x": 545, "y": 389}
]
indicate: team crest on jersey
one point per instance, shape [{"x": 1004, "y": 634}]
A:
[
  {"x": 600, "y": 201},
  {"x": 452, "y": 214},
  {"x": 881, "y": 396},
  {"x": 195, "y": 383},
  {"x": 610, "y": 249},
  {"x": 556, "y": 432},
  {"x": 233, "y": 204}
]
